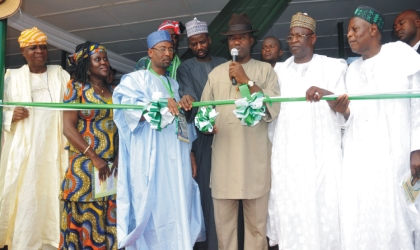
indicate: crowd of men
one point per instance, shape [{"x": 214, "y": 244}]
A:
[{"x": 310, "y": 175}]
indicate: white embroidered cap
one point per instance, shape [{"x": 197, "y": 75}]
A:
[{"x": 195, "y": 27}]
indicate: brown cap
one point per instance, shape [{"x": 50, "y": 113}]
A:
[
  {"x": 239, "y": 24},
  {"x": 304, "y": 21}
]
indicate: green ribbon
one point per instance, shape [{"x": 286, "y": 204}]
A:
[
  {"x": 250, "y": 111},
  {"x": 83, "y": 106},
  {"x": 205, "y": 118},
  {"x": 327, "y": 98},
  {"x": 244, "y": 90},
  {"x": 76, "y": 106},
  {"x": 158, "y": 115}
]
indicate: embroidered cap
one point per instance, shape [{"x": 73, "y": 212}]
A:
[
  {"x": 196, "y": 27},
  {"x": 157, "y": 37},
  {"x": 31, "y": 37},
  {"x": 370, "y": 15},
  {"x": 303, "y": 20}
]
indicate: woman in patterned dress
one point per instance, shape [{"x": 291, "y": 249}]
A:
[{"x": 89, "y": 223}]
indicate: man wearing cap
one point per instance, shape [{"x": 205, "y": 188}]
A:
[
  {"x": 407, "y": 28},
  {"x": 381, "y": 139},
  {"x": 33, "y": 159},
  {"x": 175, "y": 29},
  {"x": 192, "y": 77},
  {"x": 241, "y": 154},
  {"x": 306, "y": 156},
  {"x": 158, "y": 200}
]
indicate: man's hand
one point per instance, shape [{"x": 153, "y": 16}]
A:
[
  {"x": 237, "y": 71},
  {"x": 314, "y": 94},
  {"x": 193, "y": 165},
  {"x": 173, "y": 107},
  {"x": 212, "y": 132},
  {"x": 20, "y": 113},
  {"x": 341, "y": 105},
  {"x": 186, "y": 102},
  {"x": 415, "y": 166}
]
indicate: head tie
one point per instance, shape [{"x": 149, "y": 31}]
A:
[
  {"x": 83, "y": 53},
  {"x": 30, "y": 37},
  {"x": 169, "y": 24}
]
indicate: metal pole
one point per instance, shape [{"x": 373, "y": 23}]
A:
[
  {"x": 340, "y": 31},
  {"x": 3, "y": 36}
]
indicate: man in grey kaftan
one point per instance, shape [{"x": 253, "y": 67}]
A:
[{"x": 192, "y": 77}]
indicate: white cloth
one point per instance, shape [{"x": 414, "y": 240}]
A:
[
  {"x": 306, "y": 156},
  {"x": 272, "y": 125},
  {"x": 379, "y": 136},
  {"x": 33, "y": 161}
]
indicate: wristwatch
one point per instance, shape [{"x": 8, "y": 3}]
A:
[{"x": 251, "y": 83}]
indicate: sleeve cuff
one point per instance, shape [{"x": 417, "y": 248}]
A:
[
  {"x": 7, "y": 120},
  {"x": 341, "y": 121},
  {"x": 132, "y": 118},
  {"x": 415, "y": 140}
]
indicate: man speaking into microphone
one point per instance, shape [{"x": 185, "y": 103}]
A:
[{"x": 241, "y": 154}]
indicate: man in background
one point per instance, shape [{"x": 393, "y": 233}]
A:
[
  {"x": 271, "y": 51},
  {"x": 192, "y": 77},
  {"x": 407, "y": 28}
]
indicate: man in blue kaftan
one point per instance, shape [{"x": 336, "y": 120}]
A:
[{"x": 158, "y": 200}]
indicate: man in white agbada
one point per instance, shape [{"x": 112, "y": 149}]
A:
[
  {"x": 306, "y": 154},
  {"x": 158, "y": 200},
  {"x": 381, "y": 139},
  {"x": 33, "y": 158}
]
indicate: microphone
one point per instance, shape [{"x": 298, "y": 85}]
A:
[{"x": 234, "y": 53}]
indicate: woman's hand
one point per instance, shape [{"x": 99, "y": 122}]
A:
[{"x": 102, "y": 166}]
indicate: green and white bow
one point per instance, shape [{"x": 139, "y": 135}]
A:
[
  {"x": 205, "y": 118},
  {"x": 250, "y": 110},
  {"x": 158, "y": 115}
]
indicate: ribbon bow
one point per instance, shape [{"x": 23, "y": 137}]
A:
[
  {"x": 158, "y": 115},
  {"x": 205, "y": 118},
  {"x": 250, "y": 110}
]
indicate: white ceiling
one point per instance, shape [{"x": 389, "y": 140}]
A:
[{"x": 122, "y": 26}]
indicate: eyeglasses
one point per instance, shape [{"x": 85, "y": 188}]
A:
[
  {"x": 163, "y": 49},
  {"x": 298, "y": 37}
]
